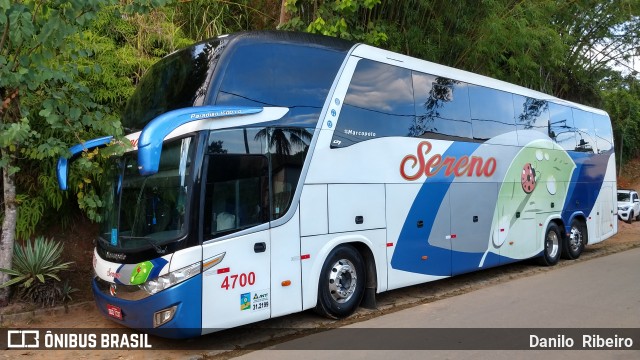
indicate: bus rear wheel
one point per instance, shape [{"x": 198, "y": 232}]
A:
[
  {"x": 574, "y": 244},
  {"x": 552, "y": 246},
  {"x": 341, "y": 284}
]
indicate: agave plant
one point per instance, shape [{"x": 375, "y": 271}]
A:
[{"x": 37, "y": 261}]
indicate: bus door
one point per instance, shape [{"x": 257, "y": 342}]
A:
[
  {"x": 236, "y": 240},
  {"x": 237, "y": 290}
]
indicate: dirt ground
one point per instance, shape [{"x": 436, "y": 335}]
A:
[{"x": 82, "y": 313}]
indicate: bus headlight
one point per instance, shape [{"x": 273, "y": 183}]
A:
[{"x": 173, "y": 278}]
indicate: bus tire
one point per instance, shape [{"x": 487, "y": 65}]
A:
[
  {"x": 630, "y": 218},
  {"x": 575, "y": 243},
  {"x": 552, "y": 246},
  {"x": 341, "y": 284}
]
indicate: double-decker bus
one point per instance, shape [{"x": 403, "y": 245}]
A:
[{"x": 274, "y": 172}]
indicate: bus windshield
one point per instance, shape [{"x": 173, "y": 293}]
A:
[{"x": 146, "y": 211}]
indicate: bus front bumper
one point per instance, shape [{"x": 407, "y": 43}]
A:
[{"x": 139, "y": 314}]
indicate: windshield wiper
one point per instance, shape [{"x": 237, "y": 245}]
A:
[{"x": 157, "y": 248}]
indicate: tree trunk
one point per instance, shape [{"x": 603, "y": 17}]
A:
[
  {"x": 284, "y": 15},
  {"x": 8, "y": 230}
]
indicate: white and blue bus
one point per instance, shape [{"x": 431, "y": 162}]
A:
[{"x": 274, "y": 172}]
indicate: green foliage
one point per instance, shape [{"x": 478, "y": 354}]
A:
[
  {"x": 561, "y": 48},
  {"x": 31, "y": 211},
  {"x": 203, "y": 19},
  {"x": 35, "y": 262},
  {"x": 51, "y": 55},
  {"x": 346, "y": 19},
  {"x": 595, "y": 34},
  {"x": 66, "y": 291},
  {"x": 622, "y": 102}
]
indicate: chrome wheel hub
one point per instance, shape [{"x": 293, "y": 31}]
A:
[
  {"x": 342, "y": 280},
  {"x": 575, "y": 239},
  {"x": 552, "y": 244}
]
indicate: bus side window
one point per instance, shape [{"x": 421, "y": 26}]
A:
[
  {"x": 560, "y": 128},
  {"x": 531, "y": 114},
  {"x": 379, "y": 103},
  {"x": 492, "y": 114},
  {"x": 441, "y": 107},
  {"x": 585, "y": 131},
  {"x": 604, "y": 133}
]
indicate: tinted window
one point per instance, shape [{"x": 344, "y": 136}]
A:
[
  {"x": 561, "y": 128},
  {"x": 252, "y": 176},
  {"x": 604, "y": 133},
  {"x": 442, "y": 108},
  {"x": 236, "y": 194},
  {"x": 379, "y": 102},
  {"x": 175, "y": 82},
  {"x": 531, "y": 114},
  {"x": 491, "y": 112},
  {"x": 288, "y": 148},
  {"x": 585, "y": 132},
  {"x": 237, "y": 141},
  {"x": 297, "y": 77}
]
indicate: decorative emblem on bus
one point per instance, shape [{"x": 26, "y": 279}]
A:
[
  {"x": 112, "y": 290},
  {"x": 140, "y": 273},
  {"x": 464, "y": 165},
  {"x": 528, "y": 178}
]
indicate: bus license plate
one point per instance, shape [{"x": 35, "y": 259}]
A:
[{"x": 114, "y": 311}]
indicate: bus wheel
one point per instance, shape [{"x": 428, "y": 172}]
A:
[
  {"x": 576, "y": 241},
  {"x": 552, "y": 242},
  {"x": 341, "y": 283}
]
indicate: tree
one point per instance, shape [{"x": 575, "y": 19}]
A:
[
  {"x": 622, "y": 102},
  {"x": 44, "y": 108},
  {"x": 347, "y": 19},
  {"x": 597, "y": 35}
]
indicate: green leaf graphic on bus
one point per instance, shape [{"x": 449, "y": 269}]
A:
[
  {"x": 140, "y": 273},
  {"x": 536, "y": 182}
]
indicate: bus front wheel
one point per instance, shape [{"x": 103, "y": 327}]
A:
[
  {"x": 341, "y": 284},
  {"x": 552, "y": 245}
]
